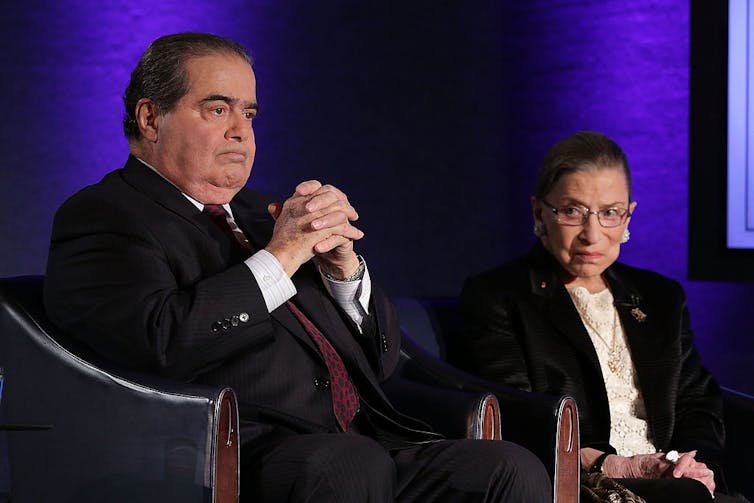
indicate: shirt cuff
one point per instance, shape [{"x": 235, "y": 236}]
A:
[
  {"x": 274, "y": 283},
  {"x": 352, "y": 296}
]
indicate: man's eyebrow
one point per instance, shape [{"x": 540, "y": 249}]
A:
[
  {"x": 230, "y": 101},
  {"x": 220, "y": 97}
]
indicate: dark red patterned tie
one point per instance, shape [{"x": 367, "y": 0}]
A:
[
  {"x": 345, "y": 401},
  {"x": 220, "y": 217}
]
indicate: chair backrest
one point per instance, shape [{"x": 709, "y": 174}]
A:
[
  {"x": 739, "y": 441},
  {"x": 431, "y": 321},
  {"x": 115, "y": 435}
]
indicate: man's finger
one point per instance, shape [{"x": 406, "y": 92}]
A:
[
  {"x": 329, "y": 196},
  {"x": 320, "y": 200},
  {"x": 335, "y": 240},
  {"x": 275, "y": 209},
  {"x": 329, "y": 220},
  {"x": 307, "y": 188},
  {"x": 330, "y": 243}
]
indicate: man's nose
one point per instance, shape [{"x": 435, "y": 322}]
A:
[{"x": 239, "y": 129}]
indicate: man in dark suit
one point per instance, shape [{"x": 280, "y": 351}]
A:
[{"x": 171, "y": 265}]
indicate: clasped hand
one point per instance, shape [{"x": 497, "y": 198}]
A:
[
  {"x": 315, "y": 222},
  {"x": 653, "y": 466}
]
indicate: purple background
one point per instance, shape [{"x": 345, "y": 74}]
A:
[{"x": 433, "y": 118}]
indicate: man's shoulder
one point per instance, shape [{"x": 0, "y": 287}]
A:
[{"x": 109, "y": 190}]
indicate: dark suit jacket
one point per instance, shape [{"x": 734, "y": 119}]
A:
[
  {"x": 139, "y": 274},
  {"x": 522, "y": 329}
]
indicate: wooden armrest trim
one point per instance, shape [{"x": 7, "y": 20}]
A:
[
  {"x": 485, "y": 423},
  {"x": 567, "y": 459},
  {"x": 491, "y": 429},
  {"x": 227, "y": 450}
]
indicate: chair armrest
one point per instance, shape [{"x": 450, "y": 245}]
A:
[
  {"x": 739, "y": 441},
  {"x": 453, "y": 413}
]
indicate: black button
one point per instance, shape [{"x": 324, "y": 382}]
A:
[
  {"x": 321, "y": 383},
  {"x": 234, "y": 321},
  {"x": 216, "y": 326},
  {"x": 226, "y": 324},
  {"x": 384, "y": 342}
]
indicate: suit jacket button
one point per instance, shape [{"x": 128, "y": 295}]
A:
[
  {"x": 216, "y": 326},
  {"x": 234, "y": 321},
  {"x": 243, "y": 317},
  {"x": 384, "y": 342},
  {"x": 321, "y": 383},
  {"x": 226, "y": 324}
]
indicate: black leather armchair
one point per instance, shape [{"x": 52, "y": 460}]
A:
[
  {"x": 115, "y": 435},
  {"x": 547, "y": 425},
  {"x": 122, "y": 436}
]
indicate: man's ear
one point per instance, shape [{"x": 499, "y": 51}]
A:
[{"x": 147, "y": 118}]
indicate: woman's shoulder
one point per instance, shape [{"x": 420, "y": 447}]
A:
[
  {"x": 508, "y": 273},
  {"x": 502, "y": 283},
  {"x": 645, "y": 281}
]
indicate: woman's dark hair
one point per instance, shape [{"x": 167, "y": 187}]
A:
[
  {"x": 582, "y": 151},
  {"x": 161, "y": 74}
]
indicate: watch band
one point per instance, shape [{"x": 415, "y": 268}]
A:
[
  {"x": 597, "y": 466},
  {"x": 357, "y": 275}
]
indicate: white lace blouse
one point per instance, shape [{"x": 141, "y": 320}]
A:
[{"x": 629, "y": 431}]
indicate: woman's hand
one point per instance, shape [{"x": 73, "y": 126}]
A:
[
  {"x": 690, "y": 468},
  {"x": 639, "y": 466},
  {"x": 652, "y": 466}
]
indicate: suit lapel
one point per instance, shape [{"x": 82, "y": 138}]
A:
[
  {"x": 159, "y": 190},
  {"x": 558, "y": 309},
  {"x": 145, "y": 180},
  {"x": 640, "y": 330}
]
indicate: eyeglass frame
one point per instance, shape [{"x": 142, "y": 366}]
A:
[{"x": 585, "y": 214}]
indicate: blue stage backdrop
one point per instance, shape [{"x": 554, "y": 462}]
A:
[{"x": 432, "y": 116}]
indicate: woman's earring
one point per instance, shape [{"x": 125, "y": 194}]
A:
[
  {"x": 626, "y": 236},
  {"x": 539, "y": 229}
]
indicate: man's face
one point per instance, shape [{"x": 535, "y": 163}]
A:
[{"x": 205, "y": 144}]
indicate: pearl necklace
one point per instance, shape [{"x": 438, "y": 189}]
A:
[{"x": 614, "y": 353}]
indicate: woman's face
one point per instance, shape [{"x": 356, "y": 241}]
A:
[{"x": 584, "y": 251}]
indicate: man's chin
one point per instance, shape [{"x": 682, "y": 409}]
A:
[{"x": 215, "y": 194}]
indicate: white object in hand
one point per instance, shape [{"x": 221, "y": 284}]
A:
[{"x": 672, "y": 456}]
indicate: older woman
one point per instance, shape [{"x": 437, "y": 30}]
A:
[{"x": 567, "y": 318}]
